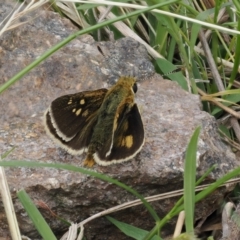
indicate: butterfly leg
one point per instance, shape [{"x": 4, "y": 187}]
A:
[{"x": 89, "y": 161}]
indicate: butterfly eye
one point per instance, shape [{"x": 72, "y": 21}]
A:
[{"x": 134, "y": 88}]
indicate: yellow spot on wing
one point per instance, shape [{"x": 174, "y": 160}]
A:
[
  {"x": 78, "y": 111},
  {"x": 70, "y": 101},
  {"x": 74, "y": 110},
  {"x": 85, "y": 113},
  {"x": 127, "y": 141},
  {"x": 82, "y": 101}
]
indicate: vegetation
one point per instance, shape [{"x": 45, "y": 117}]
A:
[{"x": 195, "y": 44}]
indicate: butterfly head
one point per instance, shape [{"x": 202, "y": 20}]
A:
[{"x": 128, "y": 82}]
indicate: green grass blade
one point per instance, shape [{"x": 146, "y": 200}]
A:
[
  {"x": 167, "y": 69},
  {"x": 131, "y": 231},
  {"x": 39, "y": 222},
  {"x": 179, "y": 78},
  {"x": 236, "y": 60},
  {"x": 203, "y": 16},
  {"x": 189, "y": 180},
  {"x": 103, "y": 177},
  {"x": 179, "y": 206},
  {"x": 203, "y": 194},
  {"x": 233, "y": 99},
  {"x": 4, "y": 155},
  {"x": 165, "y": 66}
]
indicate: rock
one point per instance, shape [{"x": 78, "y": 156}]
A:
[{"x": 169, "y": 114}]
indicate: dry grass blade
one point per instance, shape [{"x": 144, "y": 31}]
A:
[
  {"x": 209, "y": 32},
  {"x": 219, "y": 60},
  {"x": 205, "y": 97},
  {"x": 179, "y": 225},
  {"x": 8, "y": 206},
  {"x": 13, "y": 17},
  {"x": 226, "y": 214},
  {"x": 212, "y": 65},
  {"x": 149, "y": 199},
  {"x": 72, "y": 232},
  {"x": 10, "y": 21},
  {"x": 126, "y": 31},
  {"x": 174, "y": 15},
  {"x": 230, "y": 141},
  {"x": 80, "y": 236},
  {"x": 101, "y": 18},
  {"x": 70, "y": 10},
  {"x": 236, "y": 127}
]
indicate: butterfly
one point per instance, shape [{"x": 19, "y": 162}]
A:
[{"x": 106, "y": 124}]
